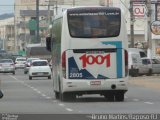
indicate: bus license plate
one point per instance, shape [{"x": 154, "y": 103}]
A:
[{"x": 95, "y": 82}]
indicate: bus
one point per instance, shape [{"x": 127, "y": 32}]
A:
[{"x": 89, "y": 48}]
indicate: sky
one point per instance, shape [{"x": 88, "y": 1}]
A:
[{"x": 6, "y": 6}]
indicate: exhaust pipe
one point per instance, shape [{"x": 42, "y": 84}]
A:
[{"x": 113, "y": 86}]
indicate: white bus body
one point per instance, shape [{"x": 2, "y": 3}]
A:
[{"x": 92, "y": 58}]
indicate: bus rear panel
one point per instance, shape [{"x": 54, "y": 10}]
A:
[{"x": 94, "y": 57}]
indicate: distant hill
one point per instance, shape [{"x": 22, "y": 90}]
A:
[{"x": 5, "y": 16}]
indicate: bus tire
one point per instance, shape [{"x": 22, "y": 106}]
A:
[
  {"x": 68, "y": 96},
  {"x": 1, "y": 94},
  {"x": 109, "y": 97},
  {"x": 30, "y": 78},
  {"x": 119, "y": 97},
  {"x": 57, "y": 95},
  {"x": 49, "y": 77},
  {"x": 13, "y": 73},
  {"x": 25, "y": 72}
]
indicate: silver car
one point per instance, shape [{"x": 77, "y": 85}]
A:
[{"x": 7, "y": 66}]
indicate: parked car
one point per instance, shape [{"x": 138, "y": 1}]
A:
[
  {"x": 146, "y": 67},
  {"x": 155, "y": 66},
  {"x": 20, "y": 62},
  {"x": 135, "y": 64},
  {"x": 39, "y": 68},
  {"x": 7, "y": 66},
  {"x": 28, "y": 64}
]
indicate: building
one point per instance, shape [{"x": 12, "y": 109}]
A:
[
  {"x": 25, "y": 20},
  {"x": 7, "y": 41}
]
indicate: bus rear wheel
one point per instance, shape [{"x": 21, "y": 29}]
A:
[
  {"x": 119, "y": 97},
  {"x": 109, "y": 97},
  {"x": 57, "y": 95},
  {"x": 68, "y": 96},
  {"x": 30, "y": 78}
]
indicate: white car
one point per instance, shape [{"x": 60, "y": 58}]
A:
[
  {"x": 20, "y": 62},
  {"x": 39, "y": 68}
]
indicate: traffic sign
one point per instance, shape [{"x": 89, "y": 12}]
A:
[{"x": 138, "y": 10}]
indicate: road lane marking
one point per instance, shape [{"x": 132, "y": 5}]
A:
[
  {"x": 39, "y": 92},
  {"x": 15, "y": 78},
  {"x": 43, "y": 95},
  {"x": 34, "y": 89},
  {"x": 149, "y": 103},
  {"x": 28, "y": 85},
  {"x": 136, "y": 100},
  {"x": 54, "y": 100},
  {"x": 68, "y": 109},
  {"x": 48, "y": 97},
  {"x": 60, "y": 104}
]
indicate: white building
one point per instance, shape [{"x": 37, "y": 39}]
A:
[
  {"x": 25, "y": 10},
  {"x": 7, "y": 34}
]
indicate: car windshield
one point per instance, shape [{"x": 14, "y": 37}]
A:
[
  {"x": 6, "y": 61},
  {"x": 40, "y": 63}
]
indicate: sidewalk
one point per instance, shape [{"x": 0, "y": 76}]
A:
[{"x": 147, "y": 81}]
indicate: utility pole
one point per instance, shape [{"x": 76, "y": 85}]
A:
[
  {"x": 149, "y": 39},
  {"x": 74, "y": 3},
  {"x": 107, "y": 3},
  {"x": 131, "y": 24},
  {"x": 49, "y": 13},
  {"x": 52, "y": 3},
  {"x": 37, "y": 19}
]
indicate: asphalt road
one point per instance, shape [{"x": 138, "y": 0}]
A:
[{"x": 24, "y": 96}]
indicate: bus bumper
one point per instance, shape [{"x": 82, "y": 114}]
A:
[{"x": 95, "y": 86}]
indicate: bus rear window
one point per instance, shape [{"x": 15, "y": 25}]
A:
[{"x": 97, "y": 25}]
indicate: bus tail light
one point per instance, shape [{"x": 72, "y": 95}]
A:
[
  {"x": 126, "y": 62},
  {"x": 64, "y": 64}
]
